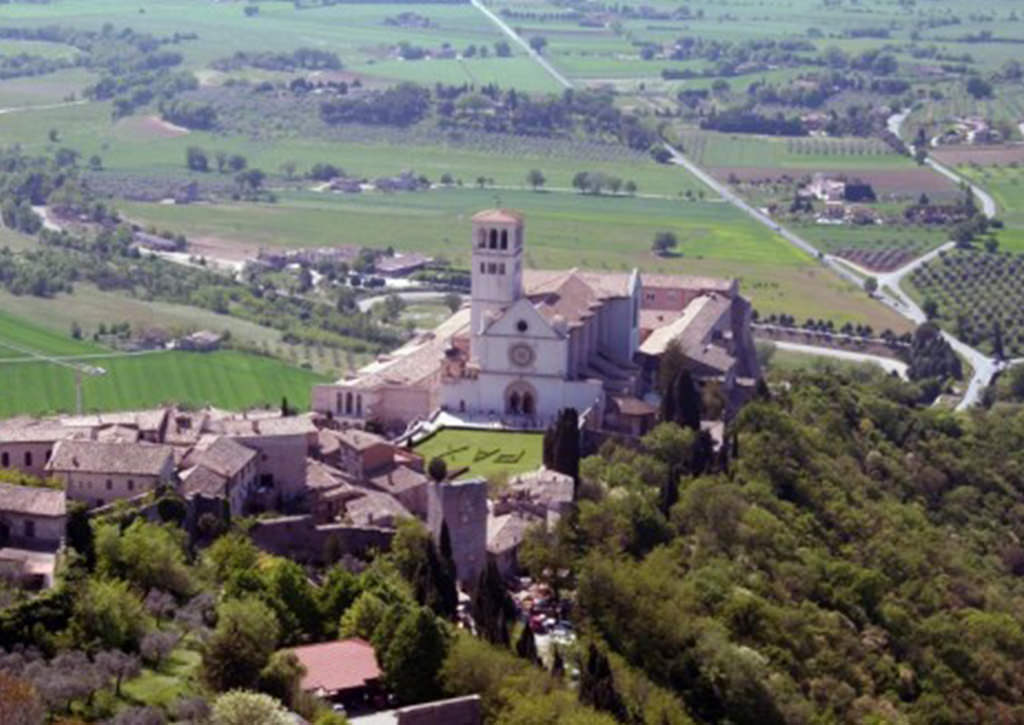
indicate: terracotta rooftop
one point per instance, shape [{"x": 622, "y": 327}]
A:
[
  {"x": 22, "y": 430},
  {"x": 224, "y": 456},
  {"x": 322, "y": 477},
  {"x": 506, "y": 532},
  {"x": 691, "y": 328},
  {"x": 498, "y": 216},
  {"x": 32, "y": 500},
  {"x": 360, "y": 440},
  {"x": 398, "y": 479},
  {"x": 333, "y": 667},
  {"x": 203, "y": 481},
  {"x": 628, "y": 405},
  {"x": 375, "y": 509},
  {"x": 144, "y": 459},
  {"x": 417, "y": 359}
]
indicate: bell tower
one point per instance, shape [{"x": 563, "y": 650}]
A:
[{"x": 497, "y": 267}]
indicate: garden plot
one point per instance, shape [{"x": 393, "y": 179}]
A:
[{"x": 486, "y": 453}]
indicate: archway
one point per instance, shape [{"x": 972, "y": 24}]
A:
[{"x": 520, "y": 399}]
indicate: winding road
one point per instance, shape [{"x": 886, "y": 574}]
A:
[{"x": 983, "y": 367}]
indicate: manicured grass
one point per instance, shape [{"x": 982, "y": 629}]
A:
[
  {"x": 486, "y": 453},
  {"x": 225, "y": 379}
]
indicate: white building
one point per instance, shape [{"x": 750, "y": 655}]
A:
[
  {"x": 532, "y": 353},
  {"x": 532, "y": 342}
]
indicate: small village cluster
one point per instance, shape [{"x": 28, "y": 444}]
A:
[{"x": 528, "y": 345}]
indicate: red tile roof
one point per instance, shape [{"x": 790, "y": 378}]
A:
[
  {"x": 337, "y": 666},
  {"x": 498, "y": 216}
]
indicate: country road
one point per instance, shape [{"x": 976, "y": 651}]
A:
[
  {"x": 45, "y": 107},
  {"x": 515, "y": 38},
  {"x": 984, "y": 367},
  {"x": 988, "y": 205},
  {"x": 886, "y": 363}
]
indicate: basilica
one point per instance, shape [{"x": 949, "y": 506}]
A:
[{"x": 531, "y": 342}]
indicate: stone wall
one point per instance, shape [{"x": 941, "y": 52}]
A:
[{"x": 298, "y": 538}]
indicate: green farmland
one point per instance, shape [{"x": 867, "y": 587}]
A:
[
  {"x": 564, "y": 230},
  {"x": 226, "y": 379},
  {"x": 486, "y": 453}
]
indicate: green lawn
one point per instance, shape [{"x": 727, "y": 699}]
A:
[
  {"x": 226, "y": 379},
  {"x": 487, "y": 453}
]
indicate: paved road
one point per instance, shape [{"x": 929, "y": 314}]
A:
[
  {"x": 367, "y": 303},
  {"x": 988, "y": 204},
  {"x": 983, "y": 366},
  {"x": 887, "y": 363},
  {"x": 515, "y": 38},
  {"x": 47, "y": 107}
]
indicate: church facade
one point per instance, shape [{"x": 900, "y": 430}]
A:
[
  {"x": 532, "y": 353},
  {"x": 531, "y": 342}
]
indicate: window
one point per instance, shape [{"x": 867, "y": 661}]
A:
[
  {"x": 28, "y": 458},
  {"x": 483, "y": 268},
  {"x": 494, "y": 239},
  {"x": 131, "y": 485},
  {"x": 30, "y": 529},
  {"x": 110, "y": 485},
  {"x": 522, "y": 326},
  {"x": 491, "y": 268},
  {"x": 5, "y": 459},
  {"x": 501, "y": 268},
  {"x": 48, "y": 454},
  {"x": 504, "y": 238}
]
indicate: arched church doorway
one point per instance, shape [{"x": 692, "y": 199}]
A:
[{"x": 520, "y": 399}]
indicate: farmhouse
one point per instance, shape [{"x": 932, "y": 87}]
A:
[
  {"x": 31, "y": 516},
  {"x": 533, "y": 342}
]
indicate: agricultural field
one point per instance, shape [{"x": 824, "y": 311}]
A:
[
  {"x": 977, "y": 295},
  {"x": 563, "y": 230},
  {"x": 491, "y": 454},
  {"x": 226, "y": 378},
  {"x": 879, "y": 247},
  {"x": 1006, "y": 185}
]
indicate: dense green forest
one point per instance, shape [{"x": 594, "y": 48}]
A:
[{"x": 857, "y": 560}]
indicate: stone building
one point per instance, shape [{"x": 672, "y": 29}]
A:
[
  {"x": 532, "y": 342},
  {"x": 98, "y": 473},
  {"x": 463, "y": 506},
  {"x": 30, "y": 516}
]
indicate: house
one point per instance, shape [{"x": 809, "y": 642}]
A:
[
  {"x": 98, "y": 473},
  {"x": 26, "y": 444},
  {"x": 31, "y": 516},
  {"x": 223, "y": 469},
  {"x": 401, "y": 264},
  {"x": 344, "y": 671},
  {"x": 282, "y": 444},
  {"x": 201, "y": 341}
]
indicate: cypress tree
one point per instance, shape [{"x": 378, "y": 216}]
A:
[
  {"x": 491, "y": 606},
  {"x": 597, "y": 685},
  {"x": 526, "y": 646},
  {"x": 688, "y": 402}
]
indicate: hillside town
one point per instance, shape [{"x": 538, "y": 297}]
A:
[{"x": 337, "y": 482}]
